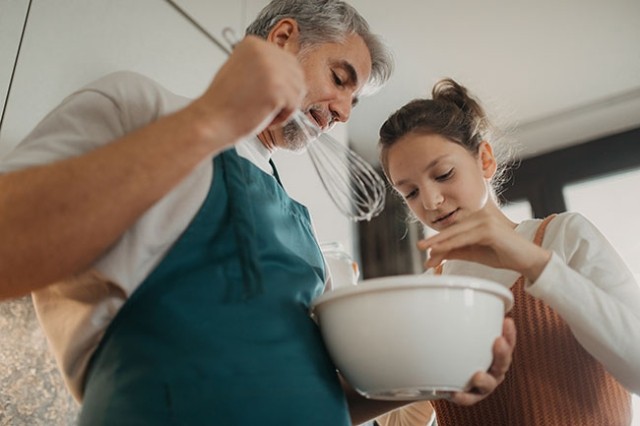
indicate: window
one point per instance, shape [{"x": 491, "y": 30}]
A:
[
  {"x": 608, "y": 202},
  {"x": 517, "y": 211}
]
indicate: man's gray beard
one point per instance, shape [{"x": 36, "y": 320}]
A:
[{"x": 294, "y": 137}]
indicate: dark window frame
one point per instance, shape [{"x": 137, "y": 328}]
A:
[{"x": 541, "y": 179}]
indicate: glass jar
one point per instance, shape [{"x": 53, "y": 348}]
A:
[{"x": 343, "y": 270}]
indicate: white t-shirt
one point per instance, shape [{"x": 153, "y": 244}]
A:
[
  {"x": 75, "y": 313},
  {"x": 588, "y": 284}
]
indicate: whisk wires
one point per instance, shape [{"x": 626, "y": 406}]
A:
[{"x": 353, "y": 185}]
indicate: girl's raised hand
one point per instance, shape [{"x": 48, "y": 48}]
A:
[{"x": 488, "y": 237}]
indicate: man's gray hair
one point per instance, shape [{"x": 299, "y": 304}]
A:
[{"x": 327, "y": 21}]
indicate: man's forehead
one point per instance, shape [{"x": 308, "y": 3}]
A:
[{"x": 357, "y": 58}]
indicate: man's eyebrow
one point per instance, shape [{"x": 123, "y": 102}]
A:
[{"x": 351, "y": 71}]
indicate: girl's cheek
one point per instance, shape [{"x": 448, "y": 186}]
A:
[
  {"x": 415, "y": 206},
  {"x": 485, "y": 195},
  {"x": 415, "y": 209}
]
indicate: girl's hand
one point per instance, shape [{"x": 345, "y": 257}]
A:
[
  {"x": 486, "y": 236},
  {"x": 483, "y": 383}
]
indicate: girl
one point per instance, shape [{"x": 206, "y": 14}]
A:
[{"x": 577, "y": 305}]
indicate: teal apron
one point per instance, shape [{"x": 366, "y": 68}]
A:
[{"x": 219, "y": 333}]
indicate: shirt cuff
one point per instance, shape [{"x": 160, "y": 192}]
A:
[{"x": 547, "y": 278}]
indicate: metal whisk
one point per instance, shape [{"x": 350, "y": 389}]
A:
[{"x": 353, "y": 185}]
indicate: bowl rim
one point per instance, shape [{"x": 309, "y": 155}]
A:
[{"x": 395, "y": 282}]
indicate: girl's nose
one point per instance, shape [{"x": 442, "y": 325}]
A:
[{"x": 431, "y": 200}]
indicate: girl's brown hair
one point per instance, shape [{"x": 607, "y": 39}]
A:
[{"x": 452, "y": 112}]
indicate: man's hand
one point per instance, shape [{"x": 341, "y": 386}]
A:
[
  {"x": 260, "y": 84},
  {"x": 483, "y": 383}
]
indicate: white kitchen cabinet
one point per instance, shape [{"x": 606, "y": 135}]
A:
[
  {"x": 69, "y": 43},
  {"x": 12, "y": 17}
]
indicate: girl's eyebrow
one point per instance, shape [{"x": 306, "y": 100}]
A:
[{"x": 424, "y": 169}]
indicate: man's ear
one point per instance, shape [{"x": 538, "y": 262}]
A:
[
  {"x": 286, "y": 33},
  {"x": 487, "y": 160}
]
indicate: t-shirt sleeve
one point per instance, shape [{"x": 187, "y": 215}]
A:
[
  {"x": 81, "y": 123},
  {"x": 87, "y": 119}
]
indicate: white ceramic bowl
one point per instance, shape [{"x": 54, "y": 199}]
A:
[{"x": 412, "y": 337}]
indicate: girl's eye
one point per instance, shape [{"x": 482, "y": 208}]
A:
[
  {"x": 445, "y": 176},
  {"x": 411, "y": 195}
]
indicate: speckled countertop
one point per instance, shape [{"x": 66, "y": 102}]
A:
[{"x": 32, "y": 392}]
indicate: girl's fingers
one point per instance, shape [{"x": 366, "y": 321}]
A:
[
  {"x": 441, "y": 252},
  {"x": 509, "y": 332},
  {"x": 459, "y": 241},
  {"x": 502, "y": 355},
  {"x": 482, "y": 384},
  {"x": 470, "y": 231},
  {"x": 433, "y": 259},
  {"x": 459, "y": 228}
]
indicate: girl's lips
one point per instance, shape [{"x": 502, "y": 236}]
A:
[{"x": 447, "y": 219}]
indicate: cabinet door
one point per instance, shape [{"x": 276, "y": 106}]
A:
[
  {"x": 68, "y": 43},
  {"x": 12, "y": 18}
]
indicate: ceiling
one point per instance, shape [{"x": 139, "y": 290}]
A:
[{"x": 552, "y": 73}]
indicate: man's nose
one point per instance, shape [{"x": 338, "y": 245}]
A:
[{"x": 341, "y": 107}]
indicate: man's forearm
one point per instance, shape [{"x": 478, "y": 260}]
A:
[{"x": 55, "y": 220}]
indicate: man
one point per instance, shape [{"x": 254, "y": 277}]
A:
[{"x": 173, "y": 273}]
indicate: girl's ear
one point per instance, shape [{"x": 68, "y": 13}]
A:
[
  {"x": 285, "y": 33},
  {"x": 487, "y": 160}
]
